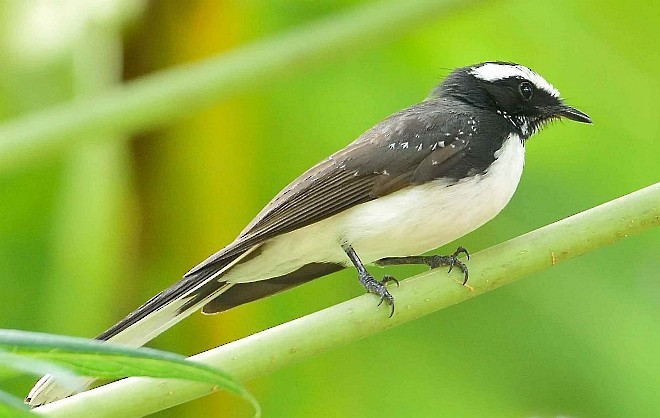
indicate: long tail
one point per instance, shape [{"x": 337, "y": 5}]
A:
[{"x": 151, "y": 319}]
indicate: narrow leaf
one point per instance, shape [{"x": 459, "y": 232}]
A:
[
  {"x": 38, "y": 367},
  {"x": 111, "y": 361}
]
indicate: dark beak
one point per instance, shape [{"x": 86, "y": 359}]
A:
[{"x": 571, "y": 113}]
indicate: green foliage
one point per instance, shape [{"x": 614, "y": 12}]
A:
[{"x": 87, "y": 357}]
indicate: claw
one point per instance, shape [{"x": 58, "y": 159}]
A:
[
  {"x": 385, "y": 295},
  {"x": 388, "y": 278},
  {"x": 390, "y": 301},
  {"x": 456, "y": 262},
  {"x": 460, "y": 250},
  {"x": 466, "y": 276}
]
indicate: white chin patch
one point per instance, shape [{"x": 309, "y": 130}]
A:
[{"x": 495, "y": 71}]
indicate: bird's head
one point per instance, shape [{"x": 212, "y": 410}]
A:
[{"x": 514, "y": 91}]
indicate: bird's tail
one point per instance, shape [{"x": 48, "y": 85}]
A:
[{"x": 151, "y": 319}]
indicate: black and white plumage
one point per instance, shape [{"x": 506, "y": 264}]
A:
[{"x": 421, "y": 178}]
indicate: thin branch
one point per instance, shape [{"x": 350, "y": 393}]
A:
[
  {"x": 289, "y": 343},
  {"x": 158, "y": 98}
]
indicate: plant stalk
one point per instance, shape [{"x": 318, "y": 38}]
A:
[{"x": 294, "y": 341}]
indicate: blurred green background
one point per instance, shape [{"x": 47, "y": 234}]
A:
[{"x": 88, "y": 235}]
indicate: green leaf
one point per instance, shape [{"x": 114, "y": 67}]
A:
[
  {"x": 38, "y": 367},
  {"x": 100, "y": 359},
  {"x": 65, "y": 378},
  {"x": 12, "y": 407}
]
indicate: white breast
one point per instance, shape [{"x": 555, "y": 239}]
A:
[
  {"x": 408, "y": 222},
  {"x": 423, "y": 218}
]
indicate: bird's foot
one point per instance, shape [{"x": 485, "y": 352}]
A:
[
  {"x": 435, "y": 261},
  {"x": 378, "y": 287}
]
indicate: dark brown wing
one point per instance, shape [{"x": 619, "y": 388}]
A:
[
  {"x": 416, "y": 145},
  {"x": 413, "y": 146}
]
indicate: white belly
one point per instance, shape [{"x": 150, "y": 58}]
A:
[{"x": 408, "y": 222}]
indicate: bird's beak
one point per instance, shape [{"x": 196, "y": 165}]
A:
[{"x": 571, "y": 113}]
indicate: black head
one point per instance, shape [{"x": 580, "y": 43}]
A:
[{"x": 519, "y": 94}]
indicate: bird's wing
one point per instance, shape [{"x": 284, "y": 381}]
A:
[
  {"x": 410, "y": 147},
  {"x": 413, "y": 146}
]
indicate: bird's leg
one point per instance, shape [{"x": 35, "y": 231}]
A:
[
  {"x": 432, "y": 261},
  {"x": 372, "y": 285}
]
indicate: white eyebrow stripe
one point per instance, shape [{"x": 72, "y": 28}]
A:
[{"x": 493, "y": 71}]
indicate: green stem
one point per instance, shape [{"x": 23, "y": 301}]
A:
[
  {"x": 157, "y": 99},
  {"x": 289, "y": 343}
]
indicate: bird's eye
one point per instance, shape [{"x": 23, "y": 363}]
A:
[{"x": 526, "y": 90}]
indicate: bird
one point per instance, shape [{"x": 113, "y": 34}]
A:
[{"x": 423, "y": 177}]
